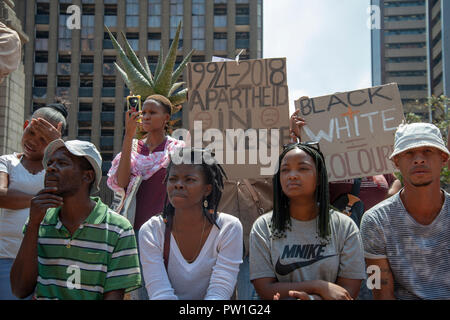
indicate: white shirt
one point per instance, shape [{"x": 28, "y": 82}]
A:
[
  {"x": 12, "y": 221},
  {"x": 213, "y": 274}
]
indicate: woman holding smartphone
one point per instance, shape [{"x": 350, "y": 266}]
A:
[{"x": 147, "y": 158}]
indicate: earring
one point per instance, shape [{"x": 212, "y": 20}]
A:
[{"x": 205, "y": 203}]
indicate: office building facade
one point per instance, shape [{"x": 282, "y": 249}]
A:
[
  {"x": 77, "y": 64},
  {"x": 411, "y": 49}
]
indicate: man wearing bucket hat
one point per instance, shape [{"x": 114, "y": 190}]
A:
[
  {"x": 74, "y": 246},
  {"x": 407, "y": 237}
]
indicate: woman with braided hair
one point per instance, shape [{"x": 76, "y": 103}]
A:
[
  {"x": 303, "y": 249},
  {"x": 191, "y": 251}
]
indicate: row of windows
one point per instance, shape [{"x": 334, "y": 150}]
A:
[
  {"x": 153, "y": 42},
  {"x": 405, "y": 59},
  {"x": 413, "y": 87},
  {"x": 409, "y": 45},
  {"x": 415, "y": 17},
  {"x": 396, "y": 4},
  {"x": 415, "y": 73},
  {"x": 154, "y": 13},
  {"x": 396, "y": 32}
]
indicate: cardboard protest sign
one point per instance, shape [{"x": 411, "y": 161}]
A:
[
  {"x": 355, "y": 129},
  {"x": 237, "y": 105}
]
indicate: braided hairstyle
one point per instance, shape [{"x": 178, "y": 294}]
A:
[
  {"x": 281, "y": 219},
  {"x": 214, "y": 175}
]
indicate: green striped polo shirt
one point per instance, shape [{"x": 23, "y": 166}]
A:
[{"x": 101, "y": 256}]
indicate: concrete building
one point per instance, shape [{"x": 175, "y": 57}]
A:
[
  {"x": 12, "y": 90},
  {"x": 438, "y": 40},
  {"x": 399, "y": 49},
  {"x": 77, "y": 64},
  {"x": 412, "y": 48}
]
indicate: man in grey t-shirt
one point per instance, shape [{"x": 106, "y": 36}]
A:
[{"x": 408, "y": 236}]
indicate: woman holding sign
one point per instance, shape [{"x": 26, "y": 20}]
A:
[{"x": 303, "y": 246}]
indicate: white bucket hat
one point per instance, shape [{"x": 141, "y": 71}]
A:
[
  {"x": 80, "y": 149},
  {"x": 417, "y": 135}
]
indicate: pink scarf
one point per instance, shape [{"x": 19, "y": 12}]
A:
[{"x": 145, "y": 166}]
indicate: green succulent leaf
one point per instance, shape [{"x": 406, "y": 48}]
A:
[
  {"x": 136, "y": 81},
  {"x": 175, "y": 87},
  {"x": 149, "y": 72},
  {"x": 133, "y": 58},
  {"x": 159, "y": 64},
  {"x": 181, "y": 67},
  {"x": 123, "y": 74},
  {"x": 179, "y": 98},
  {"x": 164, "y": 80}
]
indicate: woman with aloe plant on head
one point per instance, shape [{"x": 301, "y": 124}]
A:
[{"x": 142, "y": 163}]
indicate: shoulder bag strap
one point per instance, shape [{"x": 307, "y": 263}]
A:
[
  {"x": 356, "y": 187},
  {"x": 167, "y": 241},
  {"x": 254, "y": 196}
]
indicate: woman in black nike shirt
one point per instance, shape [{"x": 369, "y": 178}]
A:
[{"x": 303, "y": 246}]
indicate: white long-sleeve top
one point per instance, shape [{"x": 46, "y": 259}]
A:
[{"x": 213, "y": 274}]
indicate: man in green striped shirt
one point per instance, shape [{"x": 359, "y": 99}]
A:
[{"x": 74, "y": 246}]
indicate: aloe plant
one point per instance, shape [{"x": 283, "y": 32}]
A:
[{"x": 139, "y": 78}]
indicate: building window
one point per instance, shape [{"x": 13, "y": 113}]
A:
[
  {"x": 176, "y": 16},
  {"x": 133, "y": 40},
  {"x": 242, "y": 14},
  {"x": 110, "y": 17},
  {"x": 40, "y": 87},
  {"x": 220, "y": 13},
  {"x": 242, "y": 40},
  {"x": 42, "y": 13},
  {"x": 87, "y": 28},
  {"x": 108, "y": 107},
  {"x": 154, "y": 41},
  {"x": 198, "y": 24},
  {"x": 108, "y": 65},
  {"x": 154, "y": 13},
  {"x": 41, "y": 42},
  {"x": 220, "y": 41},
  {"x": 132, "y": 18},
  {"x": 107, "y": 43},
  {"x": 64, "y": 33}
]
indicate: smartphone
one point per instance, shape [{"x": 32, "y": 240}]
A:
[{"x": 134, "y": 102}]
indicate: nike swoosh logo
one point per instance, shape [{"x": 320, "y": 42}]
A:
[{"x": 285, "y": 269}]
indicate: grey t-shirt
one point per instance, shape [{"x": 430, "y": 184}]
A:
[
  {"x": 302, "y": 255},
  {"x": 419, "y": 256}
]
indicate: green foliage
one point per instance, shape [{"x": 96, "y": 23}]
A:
[
  {"x": 140, "y": 80},
  {"x": 441, "y": 119}
]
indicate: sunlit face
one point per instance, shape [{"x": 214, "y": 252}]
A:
[
  {"x": 65, "y": 172},
  {"x": 298, "y": 174},
  {"x": 154, "y": 116},
  {"x": 186, "y": 186},
  {"x": 421, "y": 167},
  {"x": 33, "y": 143}
]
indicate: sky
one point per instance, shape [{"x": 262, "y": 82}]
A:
[{"x": 326, "y": 43}]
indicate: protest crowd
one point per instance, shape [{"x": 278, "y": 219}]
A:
[{"x": 195, "y": 230}]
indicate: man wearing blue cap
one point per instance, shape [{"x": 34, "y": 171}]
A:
[
  {"x": 407, "y": 237},
  {"x": 74, "y": 246}
]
